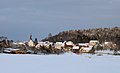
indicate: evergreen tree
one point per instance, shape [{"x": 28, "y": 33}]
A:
[{"x": 49, "y": 35}]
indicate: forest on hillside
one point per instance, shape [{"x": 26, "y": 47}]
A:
[{"x": 81, "y": 36}]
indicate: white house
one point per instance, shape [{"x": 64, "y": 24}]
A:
[
  {"x": 69, "y": 44},
  {"x": 75, "y": 49},
  {"x": 59, "y": 45},
  {"x": 109, "y": 45},
  {"x": 85, "y": 47},
  {"x": 93, "y": 42}
]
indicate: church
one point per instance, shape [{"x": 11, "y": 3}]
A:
[{"x": 30, "y": 42}]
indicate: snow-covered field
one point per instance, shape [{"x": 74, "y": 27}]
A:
[{"x": 67, "y": 63}]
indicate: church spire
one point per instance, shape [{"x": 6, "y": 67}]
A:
[{"x": 30, "y": 37}]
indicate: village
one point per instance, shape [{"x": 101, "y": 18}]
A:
[{"x": 47, "y": 47}]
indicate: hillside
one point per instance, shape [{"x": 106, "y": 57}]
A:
[{"x": 101, "y": 34}]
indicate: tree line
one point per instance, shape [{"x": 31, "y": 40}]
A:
[{"x": 82, "y": 36}]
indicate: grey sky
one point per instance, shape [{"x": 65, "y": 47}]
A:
[{"x": 19, "y": 18}]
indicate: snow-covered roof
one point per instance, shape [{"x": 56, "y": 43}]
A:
[
  {"x": 11, "y": 49},
  {"x": 87, "y": 48},
  {"x": 14, "y": 43},
  {"x": 45, "y": 43},
  {"x": 30, "y": 51},
  {"x": 75, "y": 47},
  {"x": 107, "y": 42},
  {"x": 83, "y": 44},
  {"x": 58, "y": 46},
  {"x": 58, "y": 43},
  {"x": 7, "y": 51},
  {"x": 69, "y": 43},
  {"x": 94, "y": 41},
  {"x": 21, "y": 43}
]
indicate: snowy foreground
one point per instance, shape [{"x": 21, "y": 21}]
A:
[{"x": 67, "y": 63}]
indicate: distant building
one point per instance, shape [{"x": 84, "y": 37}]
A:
[
  {"x": 75, "y": 49},
  {"x": 30, "y": 42},
  {"x": 93, "y": 42},
  {"x": 69, "y": 44},
  {"x": 109, "y": 45},
  {"x": 58, "y": 45},
  {"x": 85, "y": 47},
  {"x": 38, "y": 46},
  {"x": 83, "y": 44}
]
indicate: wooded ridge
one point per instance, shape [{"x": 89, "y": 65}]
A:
[{"x": 100, "y": 34}]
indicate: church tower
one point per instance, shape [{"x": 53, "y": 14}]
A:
[
  {"x": 30, "y": 42},
  {"x": 30, "y": 38}
]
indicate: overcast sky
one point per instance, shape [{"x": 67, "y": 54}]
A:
[{"x": 20, "y": 18}]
